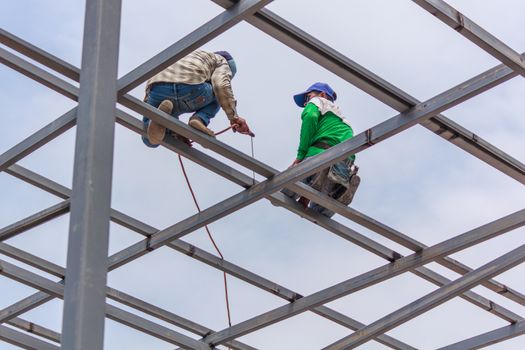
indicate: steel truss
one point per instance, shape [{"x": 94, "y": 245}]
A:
[{"x": 88, "y": 202}]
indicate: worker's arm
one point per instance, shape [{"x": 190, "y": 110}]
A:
[
  {"x": 222, "y": 88},
  {"x": 310, "y": 117}
]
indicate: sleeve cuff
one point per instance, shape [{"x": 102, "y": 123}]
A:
[{"x": 231, "y": 113}]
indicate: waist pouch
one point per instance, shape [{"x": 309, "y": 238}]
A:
[{"x": 340, "y": 181}]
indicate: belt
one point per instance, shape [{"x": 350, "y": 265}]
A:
[
  {"x": 324, "y": 145},
  {"x": 321, "y": 144}
]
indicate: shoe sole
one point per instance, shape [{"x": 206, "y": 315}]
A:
[
  {"x": 157, "y": 132},
  {"x": 196, "y": 124}
]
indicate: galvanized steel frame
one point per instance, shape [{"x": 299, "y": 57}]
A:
[{"x": 99, "y": 92}]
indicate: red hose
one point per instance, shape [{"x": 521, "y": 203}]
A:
[{"x": 209, "y": 235}]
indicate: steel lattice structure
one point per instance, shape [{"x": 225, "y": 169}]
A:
[{"x": 88, "y": 201}]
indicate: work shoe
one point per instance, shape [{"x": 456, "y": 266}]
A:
[
  {"x": 157, "y": 132},
  {"x": 196, "y": 123}
]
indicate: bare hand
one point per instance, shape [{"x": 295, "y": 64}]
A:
[
  {"x": 239, "y": 125},
  {"x": 295, "y": 162}
]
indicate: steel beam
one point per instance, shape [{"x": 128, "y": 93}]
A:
[
  {"x": 323, "y": 55},
  {"x": 114, "y": 294},
  {"x": 334, "y": 61},
  {"x": 431, "y": 300},
  {"x": 470, "y": 296},
  {"x": 236, "y": 13},
  {"x": 57, "y": 290},
  {"x": 320, "y": 53},
  {"x": 23, "y": 340},
  {"x": 38, "y": 139},
  {"x": 205, "y": 33},
  {"x": 239, "y": 272},
  {"x": 477, "y": 146},
  {"x": 39, "y": 55},
  {"x": 84, "y": 298},
  {"x": 151, "y": 328},
  {"x": 56, "y": 190},
  {"x": 489, "y": 338},
  {"x": 372, "y": 277},
  {"x": 24, "y": 305},
  {"x": 206, "y": 258},
  {"x": 33, "y": 328},
  {"x": 170, "y": 317},
  {"x": 183, "y": 247},
  {"x": 470, "y": 140},
  {"x": 476, "y": 34},
  {"x": 34, "y": 220},
  {"x": 388, "y": 128},
  {"x": 71, "y": 91},
  {"x": 350, "y": 213},
  {"x": 38, "y": 74},
  {"x": 406, "y": 241},
  {"x": 434, "y": 278},
  {"x": 354, "y": 145}
]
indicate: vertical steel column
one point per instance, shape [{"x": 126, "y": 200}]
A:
[{"x": 85, "y": 289}]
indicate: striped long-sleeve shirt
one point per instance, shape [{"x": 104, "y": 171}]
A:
[{"x": 199, "y": 67}]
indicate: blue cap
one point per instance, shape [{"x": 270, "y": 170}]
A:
[
  {"x": 320, "y": 87},
  {"x": 224, "y": 54},
  {"x": 233, "y": 66}
]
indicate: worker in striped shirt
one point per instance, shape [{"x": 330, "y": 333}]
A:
[{"x": 199, "y": 83}]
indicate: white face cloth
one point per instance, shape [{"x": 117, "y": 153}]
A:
[{"x": 326, "y": 105}]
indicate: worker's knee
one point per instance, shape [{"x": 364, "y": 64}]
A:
[{"x": 207, "y": 112}]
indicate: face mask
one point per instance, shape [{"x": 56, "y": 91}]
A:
[{"x": 233, "y": 67}]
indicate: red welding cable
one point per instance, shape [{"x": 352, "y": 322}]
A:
[
  {"x": 209, "y": 234},
  {"x": 217, "y": 133},
  {"x": 223, "y": 131}
]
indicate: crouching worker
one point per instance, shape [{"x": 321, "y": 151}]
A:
[
  {"x": 199, "y": 83},
  {"x": 323, "y": 126}
]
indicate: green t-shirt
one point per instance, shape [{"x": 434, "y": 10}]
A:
[{"x": 327, "y": 128}]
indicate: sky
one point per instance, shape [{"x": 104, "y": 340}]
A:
[{"x": 414, "y": 182}]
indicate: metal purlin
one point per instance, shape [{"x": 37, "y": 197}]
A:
[{"x": 85, "y": 291}]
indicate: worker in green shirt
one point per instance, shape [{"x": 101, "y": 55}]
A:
[{"x": 323, "y": 126}]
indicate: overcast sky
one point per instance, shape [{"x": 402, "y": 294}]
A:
[{"x": 415, "y": 182}]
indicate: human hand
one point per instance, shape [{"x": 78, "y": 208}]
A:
[
  {"x": 295, "y": 162},
  {"x": 239, "y": 125}
]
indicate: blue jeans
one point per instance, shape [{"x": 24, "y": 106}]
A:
[
  {"x": 186, "y": 98},
  {"x": 341, "y": 169}
]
